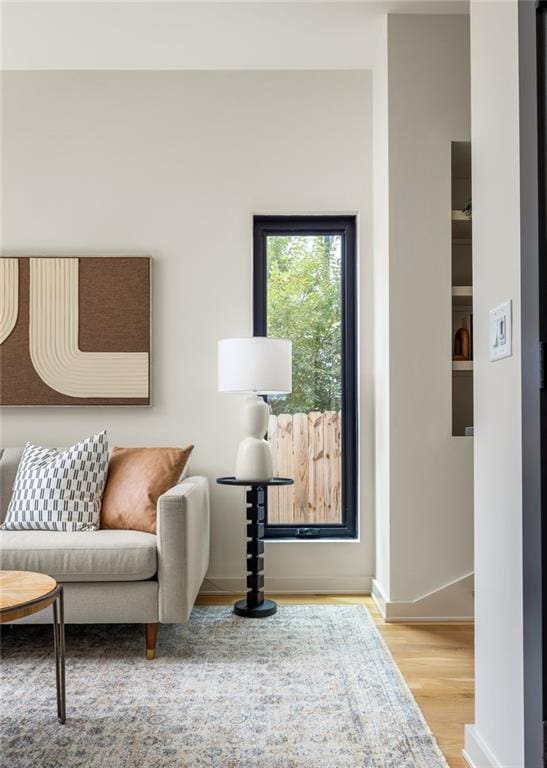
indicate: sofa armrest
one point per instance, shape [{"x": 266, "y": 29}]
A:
[{"x": 183, "y": 547}]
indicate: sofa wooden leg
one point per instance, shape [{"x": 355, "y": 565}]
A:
[{"x": 151, "y": 639}]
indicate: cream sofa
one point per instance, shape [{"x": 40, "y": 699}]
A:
[{"x": 119, "y": 576}]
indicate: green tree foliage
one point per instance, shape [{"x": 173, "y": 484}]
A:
[{"x": 304, "y": 305}]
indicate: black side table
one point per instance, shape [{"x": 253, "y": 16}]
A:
[{"x": 254, "y": 605}]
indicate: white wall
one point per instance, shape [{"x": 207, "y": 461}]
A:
[
  {"x": 380, "y": 169},
  {"x": 165, "y": 35},
  {"x": 426, "y": 485},
  {"x": 498, "y": 491},
  {"x": 174, "y": 164}
]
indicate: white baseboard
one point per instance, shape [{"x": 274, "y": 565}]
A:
[
  {"x": 452, "y": 602},
  {"x": 347, "y": 585},
  {"x": 476, "y": 753},
  {"x": 379, "y": 598}
]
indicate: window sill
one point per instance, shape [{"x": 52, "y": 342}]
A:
[{"x": 297, "y": 540}]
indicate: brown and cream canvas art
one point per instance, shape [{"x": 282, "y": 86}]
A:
[{"x": 75, "y": 331}]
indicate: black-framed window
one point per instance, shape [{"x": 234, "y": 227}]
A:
[{"x": 304, "y": 289}]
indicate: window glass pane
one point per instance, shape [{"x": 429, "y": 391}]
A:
[{"x": 304, "y": 304}]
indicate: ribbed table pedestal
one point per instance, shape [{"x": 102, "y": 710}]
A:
[{"x": 255, "y": 605}]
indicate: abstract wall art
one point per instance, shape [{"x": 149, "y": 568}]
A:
[{"x": 75, "y": 331}]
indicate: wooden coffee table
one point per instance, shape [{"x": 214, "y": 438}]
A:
[{"x": 23, "y": 593}]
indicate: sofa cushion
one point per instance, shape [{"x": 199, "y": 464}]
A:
[
  {"x": 137, "y": 477},
  {"x": 81, "y": 556},
  {"x": 9, "y": 461},
  {"x": 59, "y": 490}
]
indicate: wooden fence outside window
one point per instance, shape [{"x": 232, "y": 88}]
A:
[{"x": 308, "y": 448}]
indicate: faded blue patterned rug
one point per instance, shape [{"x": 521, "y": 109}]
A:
[{"x": 312, "y": 687}]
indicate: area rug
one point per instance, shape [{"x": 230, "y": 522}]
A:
[{"x": 312, "y": 687}]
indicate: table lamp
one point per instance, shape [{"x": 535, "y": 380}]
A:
[{"x": 255, "y": 366}]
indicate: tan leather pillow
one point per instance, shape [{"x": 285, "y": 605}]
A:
[{"x": 136, "y": 478}]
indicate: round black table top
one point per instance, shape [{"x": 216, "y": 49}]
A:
[{"x": 273, "y": 481}]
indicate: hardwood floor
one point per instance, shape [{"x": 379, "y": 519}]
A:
[{"x": 436, "y": 661}]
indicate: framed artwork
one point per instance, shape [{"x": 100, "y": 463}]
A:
[{"x": 75, "y": 330}]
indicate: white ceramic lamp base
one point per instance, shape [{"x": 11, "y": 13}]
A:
[{"x": 254, "y": 457}]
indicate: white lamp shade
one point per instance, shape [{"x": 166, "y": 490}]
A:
[{"x": 259, "y": 364}]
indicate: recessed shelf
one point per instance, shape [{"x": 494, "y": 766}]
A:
[
  {"x": 461, "y": 289},
  {"x": 462, "y": 365},
  {"x": 462, "y": 295},
  {"x": 461, "y": 229},
  {"x": 461, "y": 226}
]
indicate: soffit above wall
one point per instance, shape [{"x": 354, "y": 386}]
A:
[{"x": 199, "y": 35}]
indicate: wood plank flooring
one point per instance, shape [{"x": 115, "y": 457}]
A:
[{"x": 436, "y": 661}]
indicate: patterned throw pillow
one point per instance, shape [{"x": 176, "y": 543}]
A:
[{"x": 59, "y": 490}]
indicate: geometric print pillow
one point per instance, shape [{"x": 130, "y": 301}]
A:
[{"x": 59, "y": 490}]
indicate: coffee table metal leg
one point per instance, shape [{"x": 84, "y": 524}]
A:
[
  {"x": 59, "y": 643},
  {"x": 62, "y": 652}
]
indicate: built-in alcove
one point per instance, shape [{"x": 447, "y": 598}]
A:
[{"x": 462, "y": 291}]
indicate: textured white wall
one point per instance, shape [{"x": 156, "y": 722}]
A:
[
  {"x": 173, "y": 164},
  {"x": 498, "y": 488}
]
